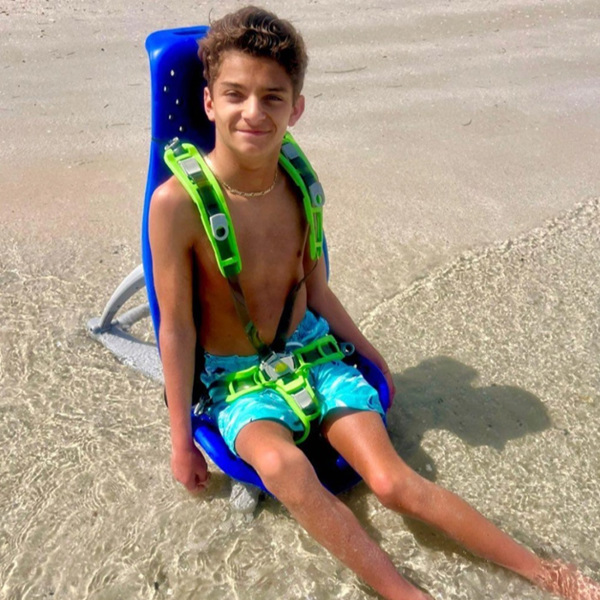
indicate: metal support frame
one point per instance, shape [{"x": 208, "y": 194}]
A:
[{"x": 113, "y": 333}]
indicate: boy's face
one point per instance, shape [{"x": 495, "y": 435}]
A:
[{"x": 251, "y": 104}]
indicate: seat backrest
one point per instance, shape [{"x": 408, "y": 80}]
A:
[{"x": 177, "y": 88}]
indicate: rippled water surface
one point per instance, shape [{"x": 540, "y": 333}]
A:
[
  {"x": 498, "y": 400},
  {"x": 436, "y": 127}
]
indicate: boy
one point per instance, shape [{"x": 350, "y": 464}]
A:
[{"x": 254, "y": 65}]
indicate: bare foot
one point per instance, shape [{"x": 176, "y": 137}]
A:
[{"x": 566, "y": 581}]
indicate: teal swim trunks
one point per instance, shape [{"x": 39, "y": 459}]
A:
[{"x": 336, "y": 384}]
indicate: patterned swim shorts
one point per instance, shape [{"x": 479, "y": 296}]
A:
[{"x": 336, "y": 384}]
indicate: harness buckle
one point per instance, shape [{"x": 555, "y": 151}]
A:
[
  {"x": 304, "y": 400},
  {"x": 219, "y": 226},
  {"x": 175, "y": 146},
  {"x": 289, "y": 151},
  {"x": 317, "y": 196},
  {"x": 192, "y": 169},
  {"x": 277, "y": 365}
]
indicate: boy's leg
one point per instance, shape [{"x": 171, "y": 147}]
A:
[
  {"x": 362, "y": 440},
  {"x": 286, "y": 472}
]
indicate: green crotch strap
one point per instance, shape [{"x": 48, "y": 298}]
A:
[{"x": 287, "y": 375}]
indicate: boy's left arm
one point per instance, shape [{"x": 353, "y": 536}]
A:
[{"x": 322, "y": 300}]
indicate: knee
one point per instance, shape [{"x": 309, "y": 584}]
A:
[
  {"x": 388, "y": 488},
  {"x": 286, "y": 473},
  {"x": 404, "y": 492}
]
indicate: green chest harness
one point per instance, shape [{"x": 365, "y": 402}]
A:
[{"x": 284, "y": 372}]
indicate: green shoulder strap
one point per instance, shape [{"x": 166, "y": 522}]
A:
[
  {"x": 295, "y": 163},
  {"x": 190, "y": 168},
  {"x": 188, "y": 165}
]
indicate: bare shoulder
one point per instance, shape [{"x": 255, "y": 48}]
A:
[
  {"x": 172, "y": 213},
  {"x": 169, "y": 199}
]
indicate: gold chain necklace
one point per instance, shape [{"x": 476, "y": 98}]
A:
[
  {"x": 251, "y": 194},
  {"x": 232, "y": 190}
]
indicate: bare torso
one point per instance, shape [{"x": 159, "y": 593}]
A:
[{"x": 270, "y": 233}]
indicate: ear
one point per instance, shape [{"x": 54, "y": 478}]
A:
[
  {"x": 297, "y": 110},
  {"x": 208, "y": 105}
]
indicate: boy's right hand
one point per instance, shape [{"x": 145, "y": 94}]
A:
[{"x": 190, "y": 469}]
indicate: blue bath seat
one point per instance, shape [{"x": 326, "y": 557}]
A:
[{"x": 177, "y": 110}]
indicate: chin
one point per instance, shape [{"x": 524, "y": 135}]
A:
[{"x": 257, "y": 147}]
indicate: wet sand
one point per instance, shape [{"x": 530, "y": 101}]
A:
[{"x": 457, "y": 143}]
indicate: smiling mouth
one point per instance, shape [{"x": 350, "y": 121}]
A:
[{"x": 252, "y": 131}]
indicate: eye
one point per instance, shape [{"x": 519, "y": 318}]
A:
[{"x": 233, "y": 95}]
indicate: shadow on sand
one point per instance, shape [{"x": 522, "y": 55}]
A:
[{"x": 439, "y": 394}]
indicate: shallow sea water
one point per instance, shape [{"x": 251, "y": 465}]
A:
[
  {"x": 473, "y": 121},
  {"x": 495, "y": 358}
]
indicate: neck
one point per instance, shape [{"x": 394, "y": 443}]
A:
[{"x": 243, "y": 173}]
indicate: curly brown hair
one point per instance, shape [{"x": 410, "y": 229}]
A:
[{"x": 256, "y": 32}]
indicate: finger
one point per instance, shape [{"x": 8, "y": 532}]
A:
[
  {"x": 199, "y": 483},
  {"x": 192, "y": 484},
  {"x": 195, "y": 488}
]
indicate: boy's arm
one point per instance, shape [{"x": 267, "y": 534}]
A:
[
  {"x": 172, "y": 239},
  {"x": 322, "y": 300}
]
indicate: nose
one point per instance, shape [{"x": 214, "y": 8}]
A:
[{"x": 253, "y": 110}]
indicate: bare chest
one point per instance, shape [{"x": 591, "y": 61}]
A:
[{"x": 270, "y": 235}]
